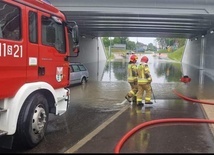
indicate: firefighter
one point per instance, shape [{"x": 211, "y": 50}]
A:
[
  {"x": 132, "y": 78},
  {"x": 144, "y": 82}
]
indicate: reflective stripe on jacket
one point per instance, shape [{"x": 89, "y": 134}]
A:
[{"x": 132, "y": 73}]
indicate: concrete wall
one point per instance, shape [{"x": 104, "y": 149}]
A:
[
  {"x": 92, "y": 55},
  {"x": 192, "y": 53},
  {"x": 209, "y": 52},
  {"x": 198, "y": 60},
  {"x": 200, "y": 53}
]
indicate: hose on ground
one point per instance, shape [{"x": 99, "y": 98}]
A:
[
  {"x": 167, "y": 120},
  {"x": 190, "y": 99},
  {"x": 153, "y": 122}
]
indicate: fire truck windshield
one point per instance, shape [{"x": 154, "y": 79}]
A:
[
  {"x": 10, "y": 25},
  {"x": 53, "y": 33}
]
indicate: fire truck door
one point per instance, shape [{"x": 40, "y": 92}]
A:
[
  {"x": 53, "y": 68},
  {"x": 32, "y": 48}
]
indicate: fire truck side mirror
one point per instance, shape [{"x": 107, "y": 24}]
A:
[
  {"x": 50, "y": 34},
  {"x": 75, "y": 34},
  {"x": 73, "y": 37}
]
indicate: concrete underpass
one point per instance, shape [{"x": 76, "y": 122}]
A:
[
  {"x": 190, "y": 19},
  {"x": 99, "y": 116}
]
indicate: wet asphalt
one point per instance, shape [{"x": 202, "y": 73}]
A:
[{"x": 99, "y": 116}]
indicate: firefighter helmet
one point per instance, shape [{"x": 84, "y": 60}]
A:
[
  {"x": 133, "y": 58},
  {"x": 144, "y": 59}
]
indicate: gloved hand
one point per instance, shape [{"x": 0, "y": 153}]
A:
[
  {"x": 149, "y": 82},
  {"x": 147, "y": 76}
]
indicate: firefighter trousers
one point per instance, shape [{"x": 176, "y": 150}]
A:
[
  {"x": 144, "y": 88},
  {"x": 134, "y": 88}
]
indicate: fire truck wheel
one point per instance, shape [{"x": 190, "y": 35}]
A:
[{"x": 32, "y": 121}]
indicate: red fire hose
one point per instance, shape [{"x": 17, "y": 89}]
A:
[
  {"x": 169, "y": 120},
  {"x": 152, "y": 122},
  {"x": 190, "y": 99}
]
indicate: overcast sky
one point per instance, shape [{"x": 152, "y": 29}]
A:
[{"x": 144, "y": 40}]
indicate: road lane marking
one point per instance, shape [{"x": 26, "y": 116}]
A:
[{"x": 96, "y": 131}]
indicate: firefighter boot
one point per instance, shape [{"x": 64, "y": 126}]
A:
[
  {"x": 139, "y": 103},
  {"x": 148, "y": 102},
  {"x": 134, "y": 99},
  {"x": 127, "y": 98}
]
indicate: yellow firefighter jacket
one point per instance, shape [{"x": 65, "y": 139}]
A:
[
  {"x": 144, "y": 76},
  {"x": 132, "y": 72}
]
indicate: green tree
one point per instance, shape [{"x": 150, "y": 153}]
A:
[
  {"x": 181, "y": 42},
  {"x": 161, "y": 42},
  {"x": 176, "y": 42},
  {"x": 130, "y": 45},
  {"x": 170, "y": 41},
  {"x": 106, "y": 41},
  {"x": 151, "y": 47},
  {"x": 116, "y": 40},
  {"x": 124, "y": 40},
  {"x": 120, "y": 40}
]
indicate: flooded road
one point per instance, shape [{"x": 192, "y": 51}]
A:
[
  {"x": 162, "y": 70},
  {"x": 98, "y": 115}
]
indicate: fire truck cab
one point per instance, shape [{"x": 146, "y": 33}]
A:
[{"x": 34, "y": 69}]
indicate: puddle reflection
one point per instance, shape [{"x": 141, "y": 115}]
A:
[{"x": 162, "y": 70}]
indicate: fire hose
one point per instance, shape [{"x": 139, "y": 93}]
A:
[{"x": 159, "y": 121}]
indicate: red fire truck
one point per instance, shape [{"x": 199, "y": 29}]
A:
[{"x": 35, "y": 43}]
